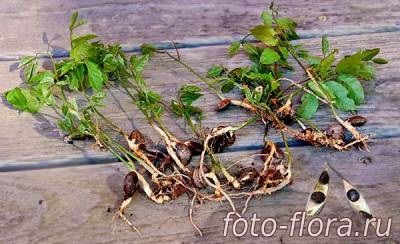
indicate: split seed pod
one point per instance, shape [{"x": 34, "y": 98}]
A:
[
  {"x": 183, "y": 152},
  {"x": 247, "y": 175},
  {"x": 317, "y": 198},
  {"x": 195, "y": 147},
  {"x": 357, "y": 201},
  {"x": 218, "y": 143},
  {"x": 335, "y": 131}
]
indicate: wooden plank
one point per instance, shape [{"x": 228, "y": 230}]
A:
[
  {"x": 76, "y": 204},
  {"x": 30, "y": 140},
  {"x": 138, "y": 21}
]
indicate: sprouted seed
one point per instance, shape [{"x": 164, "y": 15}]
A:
[{"x": 317, "y": 198}]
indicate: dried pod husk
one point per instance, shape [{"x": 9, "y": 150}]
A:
[
  {"x": 138, "y": 139},
  {"x": 278, "y": 155},
  {"x": 195, "y": 147},
  {"x": 177, "y": 190},
  {"x": 197, "y": 180},
  {"x": 130, "y": 184},
  {"x": 272, "y": 176},
  {"x": 357, "y": 201},
  {"x": 247, "y": 175},
  {"x": 223, "y": 104},
  {"x": 218, "y": 143},
  {"x": 335, "y": 131},
  {"x": 183, "y": 152},
  {"x": 357, "y": 120},
  {"x": 317, "y": 197},
  {"x": 286, "y": 112}
]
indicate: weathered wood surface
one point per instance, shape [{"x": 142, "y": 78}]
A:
[
  {"x": 76, "y": 204},
  {"x": 128, "y": 22},
  {"x": 32, "y": 140}
]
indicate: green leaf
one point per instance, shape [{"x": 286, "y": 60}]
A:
[
  {"x": 379, "y": 61},
  {"x": 139, "y": 62},
  {"x": 265, "y": 34},
  {"x": 23, "y": 100},
  {"x": 369, "y": 54},
  {"x": 148, "y": 49},
  {"x": 325, "y": 65},
  {"x": 325, "y": 45},
  {"x": 95, "y": 76},
  {"x": 74, "y": 17},
  {"x": 189, "y": 93},
  {"x": 215, "y": 71},
  {"x": 320, "y": 90},
  {"x": 227, "y": 86},
  {"x": 234, "y": 48},
  {"x": 266, "y": 18},
  {"x": 250, "y": 48},
  {"x": 42, "y": 77},
  {"x": 30, "y": 65},
  {"x": 353, "y": 65},
  {"x": 26, "y": 60},
  {"x": 354, "y": 87},
  {"x": 269, "y": 56},
  {"x": 109, "y": 63},
  {"x": 342, "y": 101},
  {"x": 289, "y": 27},
  {"x": 309, "y": 106}
]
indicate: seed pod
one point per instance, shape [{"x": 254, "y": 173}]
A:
[
  {"x": 177, "y": 190},
  {"x": 130, "y": 184},
  {"x": 317, "y": 198},
  {"x": 335, "y": 131},
  {"x": 357, "y": 201},
  {"x": 286, "y": 112},
  {"x": 357, "y": 120},
  {"x": 278, "y": 155},
  {"x": 195, "y": 147},
  {"x": 222, "y": 104},
  {"x": 218, "y": 143},
  {"x": 196, "y": 177},
  {"x": 247, "y": 175},
  {"x": 183, "y": 152}
]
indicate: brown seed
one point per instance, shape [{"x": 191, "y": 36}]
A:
[
  {"x": 196, "y": 177},
  {"x": 247, "y": 175},
  {"x": 195, "y": 147},
  {"x": 130, "y": 184},
  {"x": 335, "y": 131},
  {"x": 165, "y": 163},
  {"x": 357, "y": 120},
  {"x": 222, "y": 104},
  {"x": 183, "y": 152}
]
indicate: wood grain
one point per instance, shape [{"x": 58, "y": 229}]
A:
[
  {"x": 29, "y": 26},
  {"x": 76, "y": 204},
  {"x": 29, "y": 140}
]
